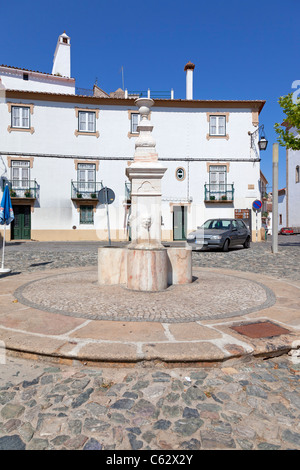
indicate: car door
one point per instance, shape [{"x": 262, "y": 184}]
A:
[
  {"x": 242, "y": 232},
  {"x": 234, "y": 233}
]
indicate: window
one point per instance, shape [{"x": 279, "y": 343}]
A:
[
  {"x": 20, "y": 117},
  {"x": 180, "y": 174},
  {"x": 280, "y": 219},
  {"x": 241, "y": 224},
  {"x": 20, "y": 174},
  {"x": 86, "y": 177},
  {"x": 297, "y": 174},
  {"x": 217, "y": 125},
  {"x": 86, "y": 215},
  {"x": 134, "y": 123},
  {"x": 217, "y": 224},
  {"x": 87, "y": 121},
  {"x": 217, "y": 178},
  {"x": 25, "y": 76}
]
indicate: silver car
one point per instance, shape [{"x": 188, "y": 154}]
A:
[{"x": 220, "y": 233}]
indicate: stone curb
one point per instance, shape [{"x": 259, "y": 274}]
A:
[{"x": 36, "y": 333}]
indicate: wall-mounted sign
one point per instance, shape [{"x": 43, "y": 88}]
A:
[{"x": 241, "y": 213}]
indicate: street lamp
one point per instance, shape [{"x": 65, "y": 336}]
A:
[{"x": 262, "y": 142}]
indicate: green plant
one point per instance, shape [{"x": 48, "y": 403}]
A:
[
  {"x": 286, "y": 135},
  {"x": 93, "y": 196},
  {"x": 224, "y": 198},
  {"x": 28, "y": 193},
  {"x": 79, "y": 195},
  {"x": 212, "y": 198},
  {"x": 13, "y": 193}
]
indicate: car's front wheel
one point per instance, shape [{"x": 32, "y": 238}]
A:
[
  {"x": 247, "y": 243},
  {"x": 226, "y": 245}
]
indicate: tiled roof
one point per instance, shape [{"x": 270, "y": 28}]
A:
[
  {"x": 33, "y": 71},
  {"x": 160, "y": 102}
]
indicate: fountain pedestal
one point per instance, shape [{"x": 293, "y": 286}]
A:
[{"x": 145, "y": 265}]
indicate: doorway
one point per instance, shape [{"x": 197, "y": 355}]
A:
[
  {"x": 21, "y": 225},
  {"x": 179, "y": 222}
]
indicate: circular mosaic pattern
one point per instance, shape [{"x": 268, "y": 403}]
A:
[{"x": 210, "y": 296}]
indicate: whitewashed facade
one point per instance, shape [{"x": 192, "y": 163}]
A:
[
  {"x": 293, "y": 189},
  {"x": 64, "y": 147}
]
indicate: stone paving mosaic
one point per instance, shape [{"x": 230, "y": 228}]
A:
[
  {"x": 242, "y": 406},
  {"x": 210, "y": 296}
]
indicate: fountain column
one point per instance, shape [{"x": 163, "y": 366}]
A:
[{"x": 147, "y": 260}]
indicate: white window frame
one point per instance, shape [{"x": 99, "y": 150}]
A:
[
  {"x": 85, "y": 124},
  {"x": 220, "y": 122},
  {"x": 86, "y": 177},
  {"x": 217, "y": 178},
  {"x": 20, "y": 174},
  {"x": 19, "y": 116},
  {"x": 133, "y": 125}
]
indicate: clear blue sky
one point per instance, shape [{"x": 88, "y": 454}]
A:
[{"x": 241, "y": 49}]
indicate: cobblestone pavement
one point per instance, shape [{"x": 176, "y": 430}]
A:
[
  {"x": 240, "y": 406},
  {"x": 249, "y": 404},
  {"x": 34, "y": 256},
  {"x": 78, "y": 294}
]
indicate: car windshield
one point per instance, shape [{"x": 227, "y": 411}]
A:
[{"x": 217, "y": 224}]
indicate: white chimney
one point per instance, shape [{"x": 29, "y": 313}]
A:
[
  {"x": 62, "y": 57},
  {"x": 189, "y": 68}
]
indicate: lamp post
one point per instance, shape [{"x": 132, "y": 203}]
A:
[{"x": 275, "y": 199}]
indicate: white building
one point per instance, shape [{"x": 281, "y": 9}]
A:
[
  {"x": 293, "y": 189},
  {"x": 282, "y": 208},
  {"x": 58, "y": 149}
]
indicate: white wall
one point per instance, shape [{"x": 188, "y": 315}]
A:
[
  {"x": 179, "y": 133},
  {"x": 13, "y": 80},
  {"x": 282, "y": 210},
  {"x": 293, "y": 189}
]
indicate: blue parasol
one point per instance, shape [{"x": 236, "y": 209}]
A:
[{"x": 6, "y": 217}]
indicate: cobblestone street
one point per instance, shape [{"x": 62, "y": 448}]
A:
[
  {"x": 35, "y": 256},
  {"x": 245, "y": 404}
]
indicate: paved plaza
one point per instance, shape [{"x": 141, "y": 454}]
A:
[{"x": 217, "y": 368}]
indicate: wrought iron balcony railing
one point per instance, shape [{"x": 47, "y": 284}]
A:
[
  {"x": 85, "y": 189},
  {"x": 153, "y": 94},
  {"x": 22, "y": 188},
  {"x": 218, "y": 192}
]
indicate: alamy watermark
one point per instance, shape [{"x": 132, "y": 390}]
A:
[
  {"x": 296, "y": 94},
  {"x": 2, "y": 353}
]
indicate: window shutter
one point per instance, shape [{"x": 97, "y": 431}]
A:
[
  {"x": 82, "y": 121},
  {"x": 91, "y": 122},
  {"x": 221, "y": 129},
  {"x": 25, "y": 117},
  {"x": 134, "y": 123},
  {"x": 15, "y": 116},
  {"x": 213, "y": 125}
]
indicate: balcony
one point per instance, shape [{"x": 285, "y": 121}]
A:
[
  {"x": 85, "y": 190},
  {"x": 22, "y": 189},
  {"x": 220, "y": 193}
]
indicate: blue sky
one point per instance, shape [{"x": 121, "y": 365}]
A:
[{"x": 241, "y": 49}]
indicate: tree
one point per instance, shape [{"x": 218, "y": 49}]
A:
[{"x": 289, "y": 131}]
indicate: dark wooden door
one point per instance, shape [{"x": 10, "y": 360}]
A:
[{"x": 21, "y": 225}]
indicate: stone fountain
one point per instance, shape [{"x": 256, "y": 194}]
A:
[{"x": 145, "y": 264}]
